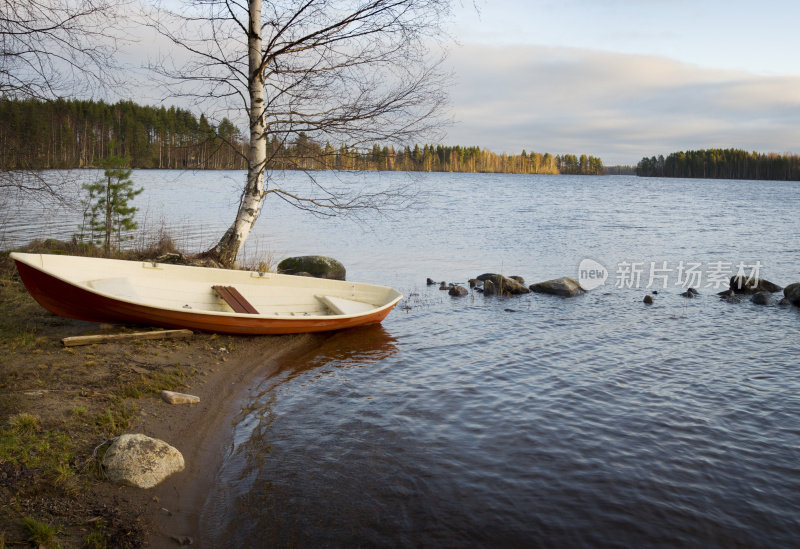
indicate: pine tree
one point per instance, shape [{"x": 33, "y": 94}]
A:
[{"x": 108, "y": 214}]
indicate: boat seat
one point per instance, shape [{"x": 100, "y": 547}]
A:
[
  {"x": 236, "y": 300},
  {"x": 342, "y": 306}
]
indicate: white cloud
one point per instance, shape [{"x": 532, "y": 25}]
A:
[{"x": 620, "y": 107}]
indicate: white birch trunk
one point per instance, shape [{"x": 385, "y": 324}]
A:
[{"x": 234, "y": 238}]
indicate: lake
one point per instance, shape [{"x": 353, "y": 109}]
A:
[{"x": 530, "y": 421}]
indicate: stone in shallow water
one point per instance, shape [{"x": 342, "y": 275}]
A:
[
  {"x": 565, "y": 287},
  {"x": 744, "y": 285},
  {"x": 792, "y": 293},
  {"x": 317, "y": 266}
]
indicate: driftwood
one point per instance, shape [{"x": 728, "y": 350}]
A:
[{"x": 107, "y": 338}]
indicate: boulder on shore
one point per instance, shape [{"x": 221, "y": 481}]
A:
[
  {"x": 140, "y": 461},
  {"x": 792, "y": 293},
  {"x": 565, "y": 287},
  {"x": 317, "y": 266},
  {"x": 745, "y": 285}
]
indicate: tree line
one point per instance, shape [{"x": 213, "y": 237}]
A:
[
  {"x": 722, "y": 164},
  {"x": 63, "y": 134}
]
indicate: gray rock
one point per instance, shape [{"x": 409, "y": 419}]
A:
[
  {"x": 761, "y": 298},
  {"x": 784, "y": 302},
  {"x": 691, "y": 292},
  {"x": 743, "y": 285},
  {"x": 486, "y": 276},
  {"x": 565, "y": 287},
  {"x": 317, "y": 266},
  {"x": 140, "y": 461},
  {"x": 732, "y": 298},
  {"x": 504, "y": 285},
  {"x": 792, "y": 293},
  {"x": 430, "y": 282},
  {"x": 458, "y": 291}
]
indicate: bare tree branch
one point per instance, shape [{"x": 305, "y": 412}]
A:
[
  {"x": 51, "y": 49},
  {"x": 351, "y": 72}
]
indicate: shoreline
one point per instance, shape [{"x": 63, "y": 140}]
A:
[
  {"x": 59, "y": 405},
  {"x": 202, "y": 433}
]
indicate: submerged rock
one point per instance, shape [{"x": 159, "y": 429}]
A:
[
  {"x": 691, "y": 292},
  {"x": 648, "y": 299},
  {"x": 565, "y": 287},
  {"x": 744, "y": 285},
  {"x": 140, "y": 461},
  {"x": 317, "y": 266}
]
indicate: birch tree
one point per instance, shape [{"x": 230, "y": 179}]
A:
[{"x": 349, "y": 72}]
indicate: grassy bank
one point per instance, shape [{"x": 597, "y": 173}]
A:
[{"x": 59, "y": 406}]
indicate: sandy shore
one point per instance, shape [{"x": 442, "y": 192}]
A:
[{"x": 202, "y": 433}]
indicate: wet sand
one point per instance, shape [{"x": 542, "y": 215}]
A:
[{"x": 202, "y": 433}]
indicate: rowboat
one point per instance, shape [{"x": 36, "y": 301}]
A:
[{"x": 199, "y": 298}]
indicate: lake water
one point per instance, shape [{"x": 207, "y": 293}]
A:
[{"x": 531, "y": 421}]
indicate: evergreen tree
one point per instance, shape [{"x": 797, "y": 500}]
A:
[{"x": 107, "y": 209}]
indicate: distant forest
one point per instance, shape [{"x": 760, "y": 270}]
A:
[
  {"x": 65, "y": 134},
  {"x": 722, "y": 164}
]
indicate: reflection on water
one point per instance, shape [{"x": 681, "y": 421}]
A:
[{"x": 244, "y": 488}]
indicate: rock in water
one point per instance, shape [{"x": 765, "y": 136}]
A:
[
  {"x": 565, "y": 287},
  {"x": 744, "y": 285},
  {"x": 458, "y": 291},
  {"x": 761, "y": 298},
  {"x": 317, "y": 266},
  {"x": 488, "y": 288},
  {"x": 648, "y": 299},
  {"x": 792, "y": 293},
  {"x": 140, "y": 461},
  {"x": 504, "y": 285}
]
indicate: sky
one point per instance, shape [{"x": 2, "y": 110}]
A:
[{"x": 624, "y": 79}]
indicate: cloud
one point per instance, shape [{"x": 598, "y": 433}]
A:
[{"x": 620, "y": 107}]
